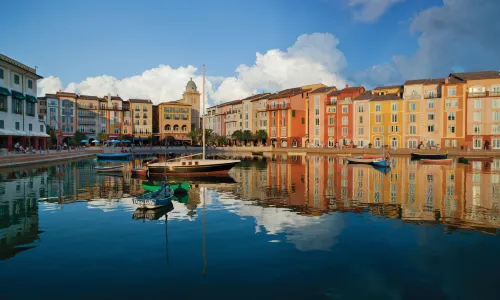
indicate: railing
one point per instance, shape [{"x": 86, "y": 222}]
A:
[
  {"x": 432, "y": 96},
  {"x": 494, "y": 94},
  {"x": 86, "y": 123},
  {"x": 477, "y": 94},
  {"x": 145, "y": 116},
  {"x": 137, "y": 116},
  {"x": 137, "y": 109},
  {"x": 278, "y": 106}
]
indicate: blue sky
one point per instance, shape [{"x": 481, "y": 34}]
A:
[{"x": 75, "y": 40}]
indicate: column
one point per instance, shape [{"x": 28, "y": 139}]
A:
[
  {"x": 44, "y": 143},
  {"x": 35, "y": 144},
  {"x": 23, "y": 142},
  {"x": 9, "y": 142}
]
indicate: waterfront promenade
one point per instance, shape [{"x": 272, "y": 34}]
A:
[{"x": 17, "y": 159}]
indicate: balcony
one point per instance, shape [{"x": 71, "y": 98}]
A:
[
  {"x": 477, "y": 94},
  {"x": 432, "y": 96},
  {"x": 137, "y": 109},
  {"x": 86, "y": 123},
  {"x": 279, "y": 106},
  {"x": 494, "y": 94},
  {"x": 331, "y": 102},
  {"x": 137, "y": 116}
]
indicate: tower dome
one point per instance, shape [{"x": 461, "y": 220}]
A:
[{"x": 191, "y": 86}]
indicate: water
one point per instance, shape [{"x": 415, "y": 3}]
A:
[{"x": 289, "y": 228}]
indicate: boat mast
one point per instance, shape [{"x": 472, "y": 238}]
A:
[{"x": 203, "y": 114}]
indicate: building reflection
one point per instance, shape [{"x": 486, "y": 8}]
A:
[{"x": 463, "y": 196}]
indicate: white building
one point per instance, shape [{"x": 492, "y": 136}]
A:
[{"x": 18, "y": 106}]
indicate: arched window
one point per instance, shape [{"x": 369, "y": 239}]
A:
[
  {"x": 294, "y": 143},
  {"x": 284, "y": 143},
  {"x": 176, "y": 127},
  {"x": 331, "y": 143},
  {"x": 394, "y": 142},
  {"x": 184, "y": 128},
  {"x": 378, "y": 143},
  {"x": 167, "y": 127}
]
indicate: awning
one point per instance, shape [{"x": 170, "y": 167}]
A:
[
  {"x": 18, "y": 95},
  {"x": 31, "y": 99},
  {"x": 6, "y": 132},
  {"x": 4, "y": 91}
]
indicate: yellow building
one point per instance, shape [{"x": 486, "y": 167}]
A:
[
  {"x": 174, "y": 121},
  {"x": 386, "y": 117},
  {"x": 142, "y": 119}
]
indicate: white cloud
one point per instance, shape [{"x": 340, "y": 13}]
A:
[
  {"x": 369, "y": 11},
  {"x": 457, "y": 35},
  {"x": 313, "y": 58}
]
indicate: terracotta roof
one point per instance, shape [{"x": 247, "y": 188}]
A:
[
  {"x": 257, "y": 97},
  {"x": 367, "y": 95},
  {"x": 116, "y": 98},
  {"x": 388, "y": 87},
  {"x": 477, "y": 75},
  {"x": 60, "y": 93},
  {"x": 102, "y": 99},
  {"x": 140, "y": 101},
  {"x": 425, "y": 81},
  {"x": 176, "y": 102},
  {"x": 288, "y": 93},
  {"x": 50, "y": 95},
  {"x": 325, "y": 89},
  {"x": 392, "y": 96},
  {"x": 86, "y": 97}
]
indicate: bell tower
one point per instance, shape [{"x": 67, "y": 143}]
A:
[{"x": 192, "y": 96}]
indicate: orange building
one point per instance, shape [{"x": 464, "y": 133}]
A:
[
  {"x": 321, "y": 125},
  {"x": 453, "y": 93}
]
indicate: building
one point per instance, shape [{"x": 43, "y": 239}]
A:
[
  {"x": 19, "y": 120},
  {"x": 191, "y": 96},
  {"x": 142, "y": 119},
  {"x": 341, "y": 109},
  {"x": 88, "y": 116},
  {"x": 174, "y": 122},
  {"x": 482, "y": 99},
  {"x": 67, "y": 118},
  {"x": 454, "y": 96},
  {"x": 232, "y": 119},
  {"x": 259, "y": 115},
  {"x": 127, "y": 118},
  {"x": 209, "y": 122},
  {"x": 286, "y": 117},
  {"x": 321, "y": 121},
  {"x": 113, "y": 108},
  {"x": 361, "y": 119},
  {"x": 386, "y": 116},
  {"x": 423, "y": 113}
]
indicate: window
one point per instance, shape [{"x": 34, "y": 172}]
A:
[
  {"x": 330, "y": 142},
  {"x": 360, "y": 119},
  {"x": 317, "y": 121},
  {"x": 431, "y": 94},
  {"x": 451, "y": 129},
  {"x": 1, "y": 73},
  {"x": 345, "y": 109},
  {"x": 30, "y": 109},
  {"x": 117, "y": 130},
  {"x": 394, "y": 118},
  {"x": 478, "y": 103},
  {"x": 377, "y": 107},
  {"x": 17, "y": 106},
  {"x": 394, "y": 106},
  {"x": 2, "y": 124},
  {"x": 495, "y": 143},
  {"x": 430, "y": 128},
  {"x": 451, "y": 116},
  {"x": 30, "y": 84},
  {"x": 331, "y": 131},
  {"x": 283, "y": 122},
  {"x": 430, "y": 104},
  {"x": 274, "y": 114},
  {"x": 345, "y": 121},
  {"x": 495, "y": 128},
  {"x": 430, "y": 117},
  {"x": 477, "y": 128},
  {"x": 283, "y": 113},
  {"x": 375, "y": 129},
  {"x": 447, "y": 143},
  {"x": 316, "y": 111},
  {"x": 496, "y": 116},
  {"x": 413, "y": 118},
  {"x": 293, "y": 113},
  {"x": 477, "y": 116},
  {"x": 3, "y": 102},
  {"x": 331, "y": 121},
  {"x": 345, "y": 131},
  {"x": 361, "y": 108},
  {"x": 316, "y": 100},
  {"x": 17, "y": 126},
  {"x": 381, "y": 129},
  {"x": 413, "y": 129},
  {"x": 378, "y": 118},
  {"x": 303, "y": 120},
  {"x": 452, "y": 91},
  {"x": 413, "y": 106},
  {"x": 16, "y": 79},
  {"x": 361, "y": 131}
]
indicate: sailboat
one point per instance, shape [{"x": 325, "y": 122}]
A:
[{"x": 189, "y": 165}]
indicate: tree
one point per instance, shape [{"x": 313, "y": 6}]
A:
[
  {"x": 237, "y": 135},
  {"x": 102, "y": 136},
  {"x": 246, "y": 136},
  {"x": 195, "y": 136},
  {"x": 79, "y": 136},
  {"x": 71, "y": 142},
  {"x": 221, "y": 140},
  {"x": 261, "y": 135},
  {"x": 210, "y": 136}
]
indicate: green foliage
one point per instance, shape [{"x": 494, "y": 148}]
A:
[
  {"x": 261, "y": 135},
  {"x": 102, "y": 136},
  {"x": 195, "y": 136},
  {"x": 71, "y": 142},
  {"x": 79, "y": 136},
  {"x": 221, "y": 140},
  {"x": 237, "y": 135}
]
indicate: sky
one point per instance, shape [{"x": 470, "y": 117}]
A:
[{"x": 150, "y": 49}]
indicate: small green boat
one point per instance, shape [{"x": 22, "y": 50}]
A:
[{"x": 152, "y": 186}]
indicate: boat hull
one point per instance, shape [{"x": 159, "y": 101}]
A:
[
  {"x": 113, "y": 156},
  {"x": 447, "y": 161},
  {"x": 416, "y": 156},
  {"x": 109, "y": 169},
  {"x": 381, "y": 164},
  {"x": 193, "y": 169},
  {"x": 152, "y": 203},
  {"x": 367, "y": 161}
]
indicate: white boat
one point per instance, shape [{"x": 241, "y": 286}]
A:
[
  {"x": 353, "y": 160},
  {"x": 109, "y": 168}
]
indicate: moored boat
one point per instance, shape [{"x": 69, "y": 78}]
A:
[
  {"x": 109, "y": 168},
  {"x": 354, "y": 160},
  {"x": 447, "y": 161},
  {"x": 382, "y": 163},
  {"x": 156, "y": 199},
  {"x": 113, "y": 156},
  {"x": 415, "y": 156},
  {"x": 194, "y": 166},
  {"x": 177, "y": 187}
]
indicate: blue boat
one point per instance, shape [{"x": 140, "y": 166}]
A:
[
  {"x": 381, "y": 163},
  {"x": 160, "y": 198},
  {"x": 113, "y": 156},
  {"x": 383, "y": 170}
]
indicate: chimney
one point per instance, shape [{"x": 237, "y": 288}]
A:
[
  {"x": 447, "y": 80},
  {"x": 109, "y": 97},
  {"x": 346, "y": 86}
]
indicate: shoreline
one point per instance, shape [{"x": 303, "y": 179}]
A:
[
  {"x": 354, "y": 151},
  {"x": 39, "y": 159}
]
